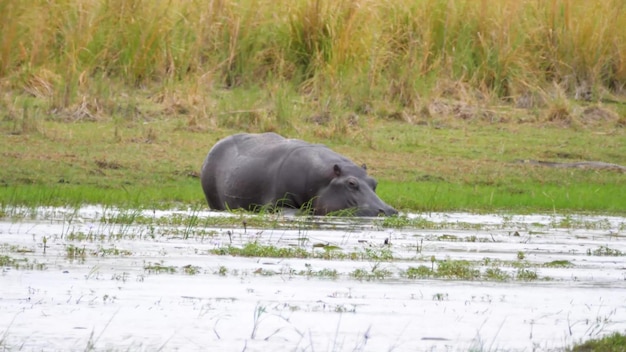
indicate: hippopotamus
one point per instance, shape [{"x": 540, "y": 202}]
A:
[{"x": 252, "y": 171}]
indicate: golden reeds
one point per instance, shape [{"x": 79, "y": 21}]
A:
[{"x": 360, "y": 50}]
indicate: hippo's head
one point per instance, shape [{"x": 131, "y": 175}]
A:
[{"x": 351, "y": 189}]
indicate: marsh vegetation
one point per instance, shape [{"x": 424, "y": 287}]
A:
[
  {"x": 117, "y": 102},
  {"x": 109, "y": 107},
  {"x": 299, "y": 274}
]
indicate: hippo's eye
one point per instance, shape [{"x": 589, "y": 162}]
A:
[{"x": 353, "y": 184}]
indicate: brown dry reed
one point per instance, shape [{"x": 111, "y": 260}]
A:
[{"x": 359, "y": 55}]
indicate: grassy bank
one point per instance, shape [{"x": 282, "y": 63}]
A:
[
  {"x": 118, "y": 102},
  {"x": 421, "y": 167},
  {"x": 364, "y": 52}
]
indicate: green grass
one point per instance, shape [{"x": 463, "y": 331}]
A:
[
  {"x": 605, "y": 251},
  {"x": 416, "y": 196},
  {"x": 496, "y": 274},
  {"x": 438, "y": 98},
  {"x": 466, "y": 270},
  {"x": 254, "y": 249},
  {"x": 442, "y": 196},
  {"x": 524, "y": 274},
  {"x": 159, "y": 268},
  {"x": 370, "y": 274},
  {"x": 559, "y": 264},
  {"x": 433, "y": 169},
  {"x": 131, "y": 196},
  {"x": 610, "y": 343},
  {"x": 20, "y": 263}
]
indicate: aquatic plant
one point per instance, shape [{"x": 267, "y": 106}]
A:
[
  {"x": 456, "y": 269},
  {"x": 605, "y": 251},
  {"x": 524, "y": 274},
  {"x": 158, "y": 268},
  {"x": 375, "y": 273}
]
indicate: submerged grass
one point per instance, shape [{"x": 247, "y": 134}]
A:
[
  {"x": 254, "y": 249},
  {"x": 20, "y": 263},
  {"x": 455, "y": 269},
  {"x": 605, "y": 251}
]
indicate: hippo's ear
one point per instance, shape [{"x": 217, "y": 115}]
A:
[
  {"x": 364, "y": 167},
  {"x": 337, "y": 170}
]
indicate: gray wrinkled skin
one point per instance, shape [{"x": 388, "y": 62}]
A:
[{"x": 249, "y": 171}]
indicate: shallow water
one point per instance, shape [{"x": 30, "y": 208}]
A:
[{"x": 156, "y": 284}]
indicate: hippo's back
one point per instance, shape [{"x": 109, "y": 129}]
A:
[{"x": 238, "y": 166}]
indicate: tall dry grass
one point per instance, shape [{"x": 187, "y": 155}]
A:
[{"x": 355, "y": 54}]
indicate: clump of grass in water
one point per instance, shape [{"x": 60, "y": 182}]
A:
[
  {"x": 464, "y": 270},
  {"x": 378, "y": 254},
  {"x": 496, "y": 274},
  {"x": 112, "y": 251},
  {"x": 7, "y": 261},
  {"x": 192, "y": 222},
  {"x": 330, "y": 252},
  {"x": 403, "y": 221},
  {"x": 420, "y": 272},
  {"x": 605, "y": 251},
  {"x": 559, "y": 264},
  {"x": 122, "y": 217},
  {"x": 457, "y": 269},
  {"x": 396, "y": 222},
  {"x": 159, "y": 268},
  {"x": 74, "y": 253},
  {"x": 325, "y": 273},
  {"x": 369, "y": 275},
  {"x": 191, "y": 269},
  {"x": 524, "y": 274},
  {"x": 222, "y": 271},
  {"x": 254, "y": 249}
]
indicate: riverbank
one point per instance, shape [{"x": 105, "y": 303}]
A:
[{"x": 441, "y": 165}]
